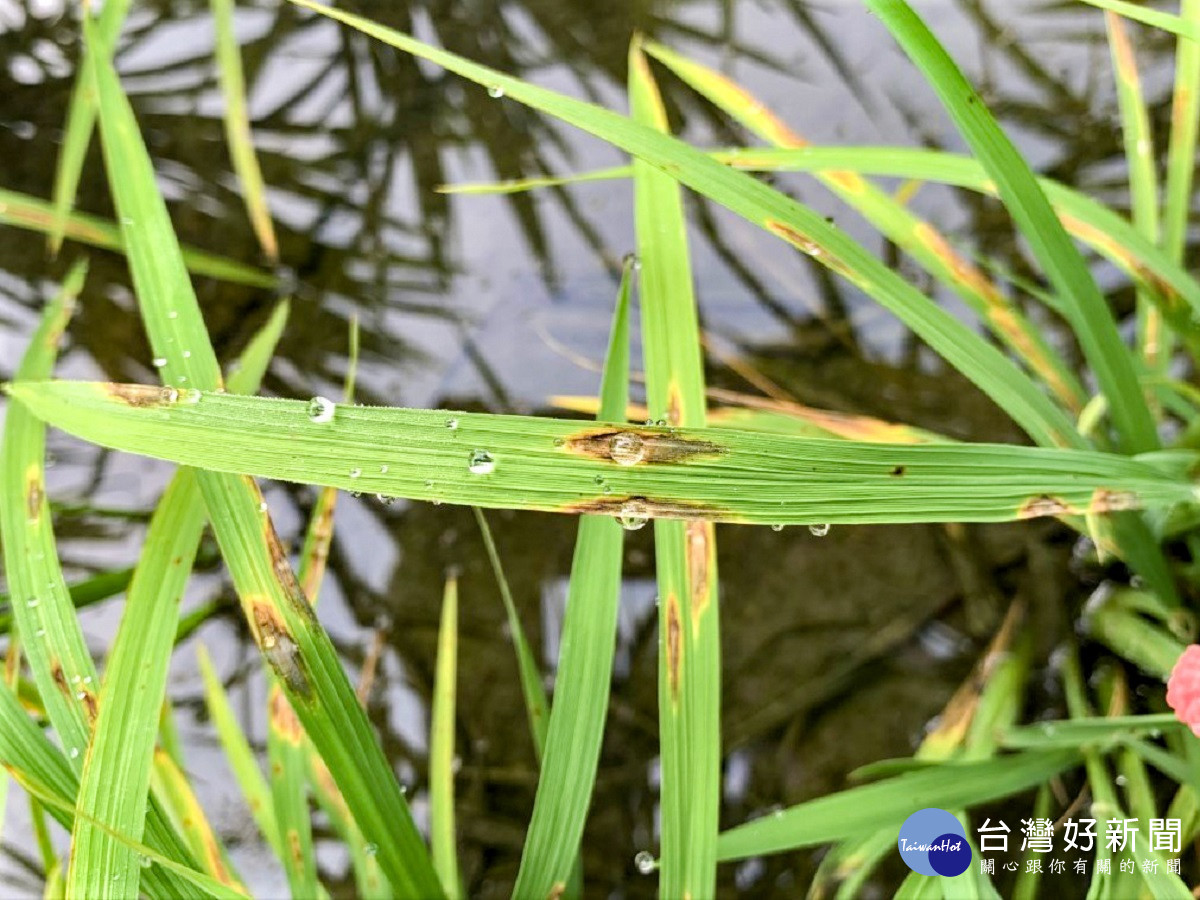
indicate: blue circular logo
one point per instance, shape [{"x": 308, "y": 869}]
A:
[{"x": 933, "y": 842}]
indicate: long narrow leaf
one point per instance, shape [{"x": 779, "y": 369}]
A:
[
  {"x": 81, "y": 118},
  {"x": 1083, "y": 304},
  {"x": 1180, "y": 25},
  {"x": 575, "y": 730},
  {"x": 858, "y": 811},
  {"x": 23, "y": 211},
  {"x": 689, "y": 647},
  {"x": 117, "y": 770},
  {"x": 441, "y": 746},
  {"x": 1185, "y": 125},
  {"x": 553, "y": 464},
  {"x": 281, "y": 620},
  {"x": 237, "y": 129},
  {"x": 1175, "y": 291},
  {"x": 800, "y": 226},
  {"x": 895, "y": 221}
]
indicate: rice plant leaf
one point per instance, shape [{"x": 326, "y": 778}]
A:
[
  {"x": 800, "y": 226},
  {"x": 441, "y": 746},
  {"x": 58, "y": 656},
  {"x": 289, "y": 772},
  {"x": 281, "y": 620},
  {"x": 1176, "y": 293},
  {"x": 689, "y": 648},
  {"x": 858, "y": 811},
  {"x": 1076, "y": 732},
  {"x": 898, "y": 223},
  {"x": 117, "y": 768},
  {"x": 747, "y": 412},
  {"x": 170, "y": 783},
  {"x": 81, "y": 119},
  {"x": 239, "y": 753},
  {"x": 1185, "y": 125},
  {"x": 1181, "y": 25},
  {"x": 237, "y": 129},
  {"x": 533, "y": 690},
  {"x": 1082, "y": 303},
  {"x": 575, "y": 730},
  {"x": 23, "y": 211},
  {"x": 1143, "y": 176},
  {"x": 552, "y": 464},
  {"x": 44, "y": 772}
]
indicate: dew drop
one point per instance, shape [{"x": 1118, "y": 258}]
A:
[
  {"x": 191, "y": 396},
  {"x": 262, "y": 507},
  {"x": 159, "y": 362},
  {"x": 778, "y": 527},
  {"x": 172, "y": 315},
  {"x": 169, "y": 395},
  {"x": 385, "y": 499},
  {"x": 82, "y": 695},
  {"x": 1120, "y": 780},
  {"x": 371, "y": 849},
  {"x": 633, "y": 515},
  {"x": 321, "y": 409},
  {"x": 627, "y": 449},
  {"x": 495, "y": 91},
  {"x": 558, "y": 442},
  {"x": 145, "y": 862},
  {"x": 33, "y": 602},
  {"x": 354, "y": 473},
  {"x": 87, "y": 679},
  {"x": 819, "y": 530},
  {"x": 480, "y": 462},
  {"x": 73, "y": 753},
  {"x": 452, "y": 424},
  {"x": 41, "y": 632},
  {"x": 644, "y": 862},
  {"x": 383, "y": 470},
  {"x": 187, "y": 354}
]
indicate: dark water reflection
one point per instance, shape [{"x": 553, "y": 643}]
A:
[{"x": 837, "y": 650}]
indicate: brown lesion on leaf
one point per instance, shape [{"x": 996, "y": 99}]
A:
[
  {"x": 35, "y": 494},
  {"x": 278, "y": 646},
  {"x": 88, "y": 699},
  {"x": 648, "y": 507},
  {"x": 1105, "y": 500},
  {"x": 142, "y": 395},
  {"x": 698, "y": 551},
  {"x": 283, "y": 717},
  {"x": 318, "y": 551},
  {"x": 557, "y": 890},
  {"x": 1043, "y": 505},
  {"x": 60, "y": 677},
  {"x": 674, "y": 646},
  {"x": 898, "y": 471},
  {"x": 295, "y": 848},
  {"x": 656, "y": 446}
]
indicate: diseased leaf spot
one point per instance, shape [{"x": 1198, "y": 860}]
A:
[
  {"x": 899, "y": 471},
  {"x": 674, "y": 642},
  {"x": 699, "y": 563},
  {"x": 661, "y": 447},
  {"x": 279, "y": 647},
  {"x": 34, "y": 494},
  {"x": 1043, "y": 505},
  {"x": 142, "y": 395}
]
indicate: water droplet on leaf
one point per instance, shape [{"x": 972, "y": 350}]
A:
[
  {"x": 819, "y": 530},
  {"x": 321, "y": 409},
  {"x": 627, "y": 449},
  {"x": 480, "y": 462},
  {"x": 495, "y": 91}
]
